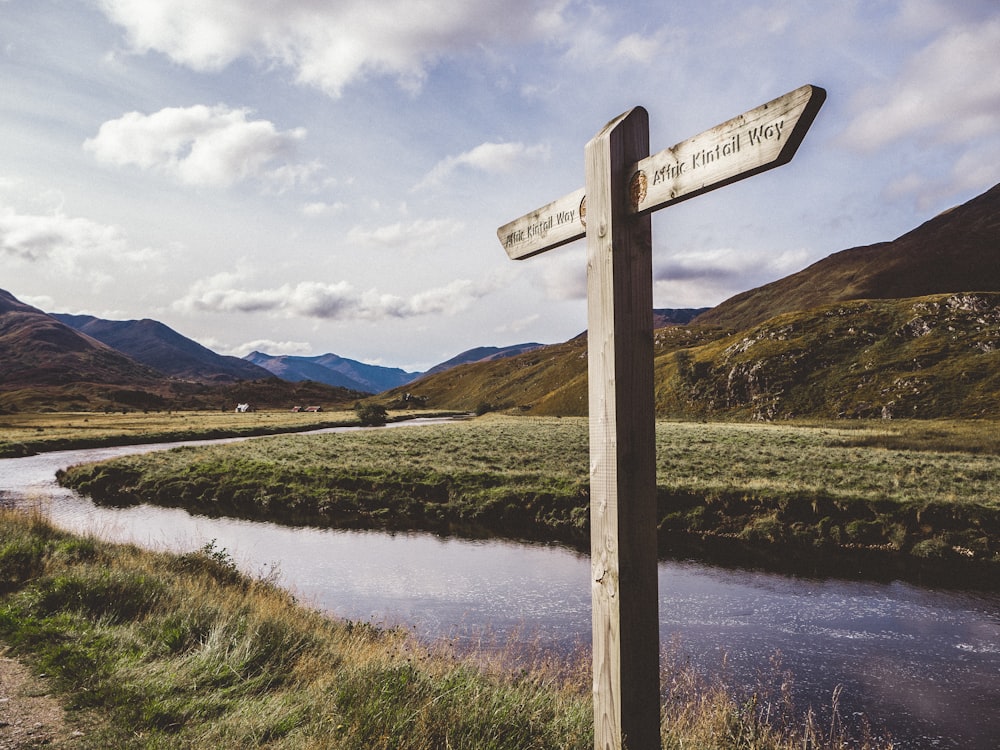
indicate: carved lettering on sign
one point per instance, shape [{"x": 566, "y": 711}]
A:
[
  {"x": 669, "y": 172},
  {"x": 766, "y": 132},
  {"x": 751, "y": 137},
  {"x": 540, "y": 228},
  {"x": 757, "y": 140}
]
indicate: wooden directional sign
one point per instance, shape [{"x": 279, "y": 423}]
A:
[
  {"x": 624, "y": 185},
  {"x": 758, "y": 140}
]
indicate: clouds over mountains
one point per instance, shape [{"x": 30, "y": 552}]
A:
[
  {"x": 289, "y": 165},
  {"x": 224, "y": 293},
  {"x": 46, "y": 238}
]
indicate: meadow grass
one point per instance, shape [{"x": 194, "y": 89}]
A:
[
  {"x": 931, "y": 492},
  {"x": 154, "y": 650}
]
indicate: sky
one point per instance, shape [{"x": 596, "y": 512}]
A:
[{"x": 312, "y": 176}]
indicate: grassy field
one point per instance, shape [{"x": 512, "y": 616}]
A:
[
  {"x": 22, "y": 434},
  {"x": 927, "y": 490},
  {"x": 182, "y": 651}
]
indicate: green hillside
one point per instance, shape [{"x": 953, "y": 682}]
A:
[{"x": 922, "y": 357}]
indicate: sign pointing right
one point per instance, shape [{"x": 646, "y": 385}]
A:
[{"x": 748, "y": 144}]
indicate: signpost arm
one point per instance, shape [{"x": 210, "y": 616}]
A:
[{"x": 622, "y": 443}]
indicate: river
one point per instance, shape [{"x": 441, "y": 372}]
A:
[{"x": 923, "y": 664}]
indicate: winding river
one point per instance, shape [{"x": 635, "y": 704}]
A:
[{"x": 923, "y": 664}]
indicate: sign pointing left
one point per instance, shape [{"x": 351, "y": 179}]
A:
[{"x": 550, "y": 226}]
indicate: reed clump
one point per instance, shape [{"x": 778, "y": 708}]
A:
[{"x": 161, "y": 650}]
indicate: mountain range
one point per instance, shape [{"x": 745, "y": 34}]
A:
[
  {"x": 47, "y": 365},
  {"x": 37, "y": 350},
  {"x": 162, "y": 348},
  {"x": 333, "y": 370},
  {"x": 58, "y": 360},
  {"x": 909, "y": 327}
]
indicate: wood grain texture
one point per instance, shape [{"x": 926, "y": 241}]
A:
[
  {"x": 545, "y": 228},
  {"x": 758, "y": 140},
  {"x": 622, "y": 447}
]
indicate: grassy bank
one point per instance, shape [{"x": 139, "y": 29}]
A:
[
  {"x": 24, "y": 434},
  {"x": 931, "y": 493},
  {"x": 182, "y": 651}
]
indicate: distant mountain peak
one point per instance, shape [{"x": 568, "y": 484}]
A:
[
  {"x": 484, "y": 354},
  {"x": 332, "y": 369},
  {"x": 159, "y": 346},
  {"x": 37, "y": 350}
]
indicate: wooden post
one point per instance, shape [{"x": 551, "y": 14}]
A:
[
  {"x": 624, "y": 186},
  {"x": 622, "y": 443}
]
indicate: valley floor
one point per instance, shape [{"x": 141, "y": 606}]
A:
[{"x": 925, "y": 493}]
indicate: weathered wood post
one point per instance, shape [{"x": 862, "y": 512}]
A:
[
  {"x": 625, "y": 185},
  {"x": 622, "y": 442}
]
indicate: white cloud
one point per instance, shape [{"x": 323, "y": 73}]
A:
[
  {"x": 692, "y": 278},
  {"x": 200, "y": 145},
  {"x": 516, "y": 326},
  {"x": 593, "y": 39},
  {"x": 448, "y": 300},
  {"x": 564, "y": 276},
  {"x": 319, "y": 208},
  {"x": 948, "y": 93},
  {"x": 727, "y": 264},
  {"x": 926, "y": 16},
  {"x": 268, "y": 346},
  {"x": 969, "y": 173},
  {"x": 289, "y": 176},
  {"x": 42, "y": 237},
  {"x": 638, "y": 48},
  {"x": 328, "y": 45},
  {"x": 701, "y": 277},
  {"x": 420, "y": 234},
  {"x": 66, "y": 245},
  {"x": 683, "y": 278},
  {"x": 324, "y": 301},
  {"x": 487, "y": 157}
]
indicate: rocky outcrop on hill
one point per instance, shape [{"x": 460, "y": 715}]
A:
[{"x": 923, "y": 357}]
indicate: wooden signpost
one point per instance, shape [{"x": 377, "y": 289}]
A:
[{"x": 624, "y": 185}]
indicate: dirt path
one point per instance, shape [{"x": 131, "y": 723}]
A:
[{"x": 29, "y": 716}]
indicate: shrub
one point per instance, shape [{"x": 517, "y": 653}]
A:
[{"x": 371, "y": 415}]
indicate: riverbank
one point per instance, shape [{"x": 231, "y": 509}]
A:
[
  {"x": 921, "y": 498},
  {"x": 27, "y": 434},
  {"x": 152, "y": 649}
]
